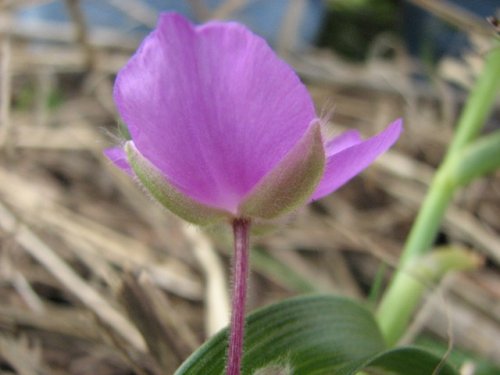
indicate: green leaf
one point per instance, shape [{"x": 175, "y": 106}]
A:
[
  {"x": 309, "y": 335},
  {"x": 408, "y": 361},
  {"x": 459, "y": 357}
]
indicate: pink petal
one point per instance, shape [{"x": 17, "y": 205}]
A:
[
  {"x": 343, "y": 141},
  {"x": 344, "y": 165},
  {"x": 212, "y": 107},
  {"x": 119, "y": 158}
]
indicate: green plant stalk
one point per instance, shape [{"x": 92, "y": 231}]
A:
[
  {"x": 427, "y": 271},
  {"x": 479, "y": 103},
  {"x": 396, "y": 307},
  {"x": 475, "y": 160}
]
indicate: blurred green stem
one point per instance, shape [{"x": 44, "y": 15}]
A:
[
  {"x": 479, "y": 103},
  {"x": 395, "y": 309},
  {"x": 475, "y": 160}
]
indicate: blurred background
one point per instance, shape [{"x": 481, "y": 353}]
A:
[{"x": 89, "y": 266}]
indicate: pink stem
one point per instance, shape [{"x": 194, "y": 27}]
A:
[{"x": 240, "y": 275}]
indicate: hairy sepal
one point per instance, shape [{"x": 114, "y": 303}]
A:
[
  {"x": 291, "y": 182},
  {"x": 168, "y": 195}
]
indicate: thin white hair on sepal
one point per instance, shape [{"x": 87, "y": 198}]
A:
[
  {"x": 325, "y": 117},
  {"x": 116, "y": 136},
  {"x": 326, "y": 112},
  {"x": 113, "y": 137}
]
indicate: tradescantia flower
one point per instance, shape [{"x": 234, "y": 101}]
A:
[{"x": 222, "y": 128}]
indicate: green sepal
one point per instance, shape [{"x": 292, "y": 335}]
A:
[
  {"x": 168, "y": 195},
  {"x": 291, "y": 182}
]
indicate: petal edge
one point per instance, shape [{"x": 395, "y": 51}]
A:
[
  {"x": 118, "y": 157},
  {"x": 346, "y": 164}
]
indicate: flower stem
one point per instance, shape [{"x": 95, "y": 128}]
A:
[{"x": 241, "y": 231}]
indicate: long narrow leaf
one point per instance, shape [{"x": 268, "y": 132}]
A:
[{"x": 310, "y": 335}]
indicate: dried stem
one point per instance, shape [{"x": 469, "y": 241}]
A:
[
  {"x": 82, "y": 37},
  {"x": 5, "y": 82},
  {"x": 241, "y": 230}
]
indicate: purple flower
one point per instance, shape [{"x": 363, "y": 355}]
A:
[{"x": 222, "y": 128}]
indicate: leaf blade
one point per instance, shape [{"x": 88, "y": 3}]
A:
[
  {"x": 313, "y": 335},
  {"x": 304, "y": 331}
]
